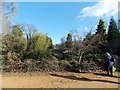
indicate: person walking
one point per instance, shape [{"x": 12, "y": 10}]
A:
[{"x": 109, "y": 63}]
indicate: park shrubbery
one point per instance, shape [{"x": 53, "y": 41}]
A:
[
  {"x": 35, "y": 52},
  {"x": 24, "y": 49}
]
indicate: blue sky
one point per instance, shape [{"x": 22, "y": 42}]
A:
[{"x": 57, "y": 19}]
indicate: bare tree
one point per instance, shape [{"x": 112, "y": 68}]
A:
[
  {"x": 28, "y": 29},
  {"x": 62, "y": 46},
  {"x": 82, "y": 46},
  {"x": 7, "y": 11}
]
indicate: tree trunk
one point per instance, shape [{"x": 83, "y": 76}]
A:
[{"x": 80, "y": 57}]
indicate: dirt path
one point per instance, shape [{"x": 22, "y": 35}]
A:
[{"x": 59, "y": 80}]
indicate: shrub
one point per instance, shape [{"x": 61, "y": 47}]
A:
[
  {"x": 46, "y": 65},
  {"x": 85, "y": 66},
  {"x": 73, "y": 66},
  {"x": 15, "y": 56},
  {"x": 63, "y": 64},
  {"x": 2, "y": 60},
  {"x": 93, "y": 57}
]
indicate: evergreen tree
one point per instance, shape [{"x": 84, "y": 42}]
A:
[
  {"x": 118, "y": 45},
  {"x": 101, "y": 27},
  {"x": 113, "y": 36},
  {"x": 69, "y": 41},
  {"x": 88, "y": 36},
  {"x": 101, "y": 31},
  {"x": 119, "y": 24}
]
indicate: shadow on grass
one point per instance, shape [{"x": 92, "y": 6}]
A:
[
  {"x": 103, "y": 74},
  {"x": 83, "y": 79}
]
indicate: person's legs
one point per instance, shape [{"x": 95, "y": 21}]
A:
[
  {"x": 107, "y": 68},
  {"x": 108, "y": 71},
  {"x": 111, "y": 70}
]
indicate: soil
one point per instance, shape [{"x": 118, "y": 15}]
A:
[{"x": 60, "y": 80}]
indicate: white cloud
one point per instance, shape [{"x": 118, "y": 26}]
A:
[
  {"x": 86, "y": 28},
  {"x": 76, "y": 34},
  {"x": 101, "y": 8}
]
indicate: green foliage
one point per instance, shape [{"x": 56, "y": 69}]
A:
[
  {"x": 15, "y": 56},
  {"x": 63, "y": 64},
  {"x": 102, "y": 37},
  {"x": 73, "y": 66},
  {"x": 39, "y": 47},
  {"x": 16, "y": 31},
  {"x": 85, "y": 66},
  {"x": 88, "y": 37},
  {"x": 1, "y": 60},
  {"x": 113, "y": 37},
  {"x": 13, "y": 46},
  {"x": 1, "y": 56},
  {"x": 92, "y": 61},
  {"x": 92, "y": 57},
  {"x": 68, "y": 55},
  {"x": 43, "y": 43},
  {"x": 14, "y": 41},
  {"x": 118, "y": 52},
  {"x": 101, "y": 27},
  {"x": 69, "y": 41},
  {"x": 23, "y": 49},
  {"x": 91, "y": 65}
]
